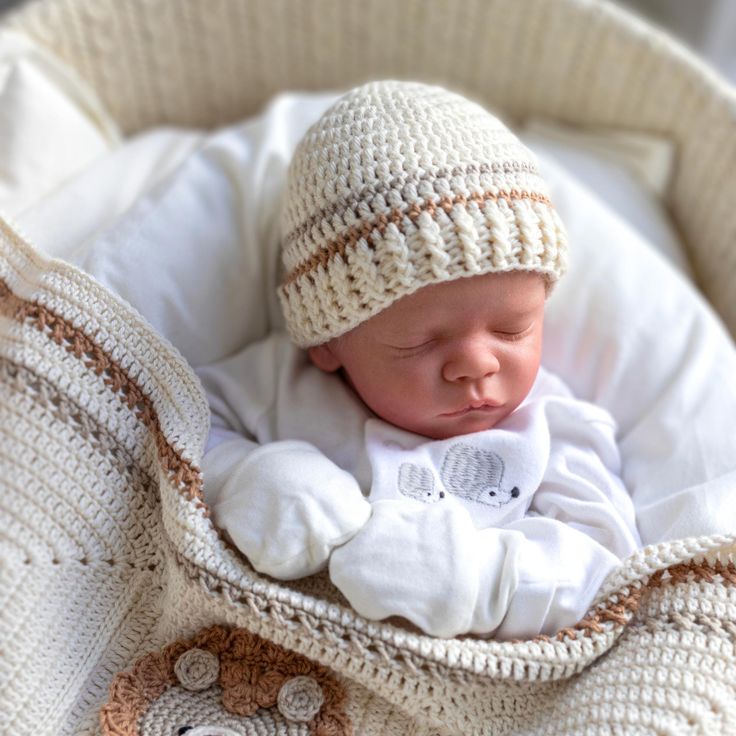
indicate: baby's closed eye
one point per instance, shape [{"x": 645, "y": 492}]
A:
[
  {"x": 513, "y": 333},
  {"x": 413, "y": 347}
]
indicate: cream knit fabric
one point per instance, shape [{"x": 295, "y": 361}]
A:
[
  {"x": 399, "y": 185},
  {"x": 107, "y": 552},
  {"x": 109, "y": 560}
]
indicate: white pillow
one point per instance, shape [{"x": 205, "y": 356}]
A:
[
  {"x": 198, "y": 257},
  {"x": 51, "y": 124},
  {"x": 63, "y": 223},
  {"x": 629, "y": 172},
  {"x": 627, "y": 331}
]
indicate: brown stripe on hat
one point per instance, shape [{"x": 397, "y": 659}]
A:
[
  {"x": 397, "y": 184},
  {"x": 344, "y": 241}
]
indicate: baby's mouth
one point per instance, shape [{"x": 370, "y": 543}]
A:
[{"x": 474, "y": 406}]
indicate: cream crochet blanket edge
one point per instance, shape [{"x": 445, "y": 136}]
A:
[{"x": 108, "y": 553}]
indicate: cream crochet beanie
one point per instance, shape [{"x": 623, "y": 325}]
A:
[{"x": 400, "y": 185}]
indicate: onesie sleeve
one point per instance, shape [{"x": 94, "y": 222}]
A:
[
  {"x": 283, "y": 503},
  {"x": 241, "y": 390},
  {"x": 582, "y": 485},
  {"x": 579, "y": 527}
]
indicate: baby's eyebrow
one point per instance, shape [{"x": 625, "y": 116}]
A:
[
  {"x": 408, "y": 336},
  {"x": 405, "y": 339}
]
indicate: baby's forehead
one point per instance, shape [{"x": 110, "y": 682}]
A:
[{"x": 452, "y": 304}]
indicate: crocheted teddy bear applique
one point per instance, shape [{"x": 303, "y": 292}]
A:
[{"x": 225, "y": 682}]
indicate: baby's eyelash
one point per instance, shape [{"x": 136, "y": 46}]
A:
[
  {"x": 412, "y": 348},
  {"x": 513, "y": 336}
]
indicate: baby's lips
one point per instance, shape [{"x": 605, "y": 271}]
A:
[{"x": 482, "y": 405}]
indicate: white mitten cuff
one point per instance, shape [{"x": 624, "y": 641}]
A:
[
  {"x": 286, "y": 506},
  {"x": 413, "y": 560},
  {"x": 559, "y": 571},
  {"x": 498, "y": 577}
]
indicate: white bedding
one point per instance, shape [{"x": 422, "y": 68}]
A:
[
  {"x": 196, "y": 252},
  {"x": 51, "y": 125}
]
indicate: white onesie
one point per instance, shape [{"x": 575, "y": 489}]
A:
[{"x": 509, "y": 531}]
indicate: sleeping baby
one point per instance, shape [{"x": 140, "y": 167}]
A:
[{"x": 403, "y": 434}]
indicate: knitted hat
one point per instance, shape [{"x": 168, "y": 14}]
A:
[{"x": 400, "y": 185}]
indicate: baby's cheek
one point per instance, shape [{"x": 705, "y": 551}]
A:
[
  {"x": 521, "y": 362},
  {"x": 400, "y": 392},
  {"x": 416, "y": 389}
]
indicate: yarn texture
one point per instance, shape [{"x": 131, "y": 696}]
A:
[
  {"x": 108, "y": 555},
  {"x": 300, "y": 699},
  {"x": 197, "y": 669}
]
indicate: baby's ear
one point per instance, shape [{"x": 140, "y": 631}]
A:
[{"x": 323, "y": 357}]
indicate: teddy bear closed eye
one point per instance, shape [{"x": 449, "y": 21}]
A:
[{"x": 467, "y": 472}]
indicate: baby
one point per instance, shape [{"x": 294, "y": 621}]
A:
[{"x": 404, "y": 434}]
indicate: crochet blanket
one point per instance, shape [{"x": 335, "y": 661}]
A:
[{"x": 118, "y": 591}]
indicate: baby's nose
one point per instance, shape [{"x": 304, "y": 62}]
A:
[{"x": 471, "y": 363}]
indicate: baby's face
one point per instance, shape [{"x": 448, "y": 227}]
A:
[{"x": 450, "y": 359}]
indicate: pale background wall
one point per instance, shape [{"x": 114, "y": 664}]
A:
[{"x": 707, "y": 26}]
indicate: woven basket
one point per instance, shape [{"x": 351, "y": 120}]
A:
[
  {"x": 114, "y": 571},
  {"x": 582, "y": 62}
]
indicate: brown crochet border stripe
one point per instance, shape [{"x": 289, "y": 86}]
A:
[
  {"x": 186, "y": 477},
  {"x": 252, "y": 670},
  {"x": 188, "y": 480},
  {"x": 350, "y": 238},
  {"x": 619, "y": 613}
]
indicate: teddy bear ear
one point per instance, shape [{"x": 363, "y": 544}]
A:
[
  {"x": 197, "y": 669},
  {"x": 300, "y": 699}
]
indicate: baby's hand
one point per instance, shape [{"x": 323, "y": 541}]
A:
[
  {"x": 415, "y": 560},
  {"x": 288, "y": 507}
]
